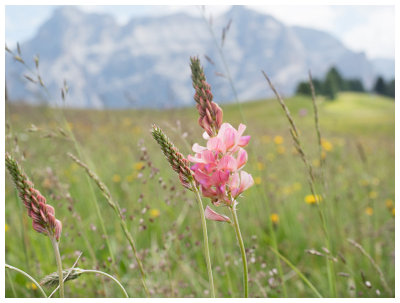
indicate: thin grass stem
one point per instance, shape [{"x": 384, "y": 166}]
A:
[
  {"x": 28, "y": 276},
  {"x": 371, "y": 260},
  {"x": 226, "y": 66},
  {"x": 109, "y": 276},
  {"x": 290, "y": 264},
  {"x": 311, "y": 181}
]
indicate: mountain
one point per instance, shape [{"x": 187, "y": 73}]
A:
[{"x": 145, "y": 63}]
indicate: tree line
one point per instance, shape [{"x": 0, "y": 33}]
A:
[{"x": 333, "y": 82}]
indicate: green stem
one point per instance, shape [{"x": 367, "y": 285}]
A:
[
  {"x": 109, "y": 276},
  {"x": 59, "y": 265},
  {"x": 242, "y": 250},
  {"x": 298, "y": 272},
  {"x": 29, "y": 277},
  {"x": 206, "y": 248}
]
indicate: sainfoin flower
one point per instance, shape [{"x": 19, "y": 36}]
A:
[
  {"x": 217, "y": 167},
  {"x": 42, "y": 214}
]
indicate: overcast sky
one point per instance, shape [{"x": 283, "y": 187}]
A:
[{"x": 370, "y": 29}]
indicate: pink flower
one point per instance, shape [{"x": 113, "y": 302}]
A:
[{"x": 217, "y": 166}]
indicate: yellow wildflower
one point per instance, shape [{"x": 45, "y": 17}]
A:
[
  {"x": 278, "y": 140},
  {"x": 311, "y": 199},
  {"x": 280, "y": 149},
  {"x": 369, "y": 211},
  {"x": 373, "y": 195},
  {"x": 287, "y": 190},
  {"x": 315, "y": 162},
  {"x": 274, "y": 218},
  {"x": 116, "y": 178},
  {"x": 74, "y": 166},
  {"x": 260, "y": 166},
  {"x": 130, "y": 178},
  {"x": 389, "y": 203},
  {"x": 136, "y": 130},
  {"x": 270, "y": 157},
  {"x": 138, "y": 165},
  {"x": 393, "y": 211},
  {"x": 154, "y": 213},
  {"x": 126, "y": 122},
  {"x": 31, "y": 285},
  {"x": 326, "y": 145},
  {"x": 257, "y": 180},
  {"x": 7, "y": 227}
]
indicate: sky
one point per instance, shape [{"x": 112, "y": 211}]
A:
[{"x": 369, "y": 29}]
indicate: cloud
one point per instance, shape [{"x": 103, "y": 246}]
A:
[
  {"x": 376, "y": 35},
  {"x": 370, "y": 29}
]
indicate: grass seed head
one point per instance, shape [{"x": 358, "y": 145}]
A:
[{"x": 176, "y": 160}]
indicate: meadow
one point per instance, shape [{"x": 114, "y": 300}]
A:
[{"x": 355, "y": 177}]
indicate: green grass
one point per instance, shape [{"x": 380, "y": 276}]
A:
[{"x": 171, "y": 244}]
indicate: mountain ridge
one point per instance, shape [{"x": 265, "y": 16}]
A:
[{"x": 145, "y": 63}]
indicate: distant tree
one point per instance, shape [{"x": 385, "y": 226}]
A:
[
  {"x": 354, "y": 85},
  {"x": 330, "y": 85},
  {"x": 380, "y": 86},
  {"x": 333, "y": 83},
  {"x": 390, "y": 89},
  {"x": 303, "y": 88}
]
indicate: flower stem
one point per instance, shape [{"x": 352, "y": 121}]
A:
[
  {"x": 59, "y": 265},
  {"x": 206, "y": 248},
  {"x": 242, "y": 250},
  {"x": 107, "y": 275}
]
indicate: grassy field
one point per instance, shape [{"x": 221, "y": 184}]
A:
[{"x": 356, "y": 179}]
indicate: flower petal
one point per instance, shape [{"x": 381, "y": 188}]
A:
[
  {"x": 227, "y": 162},
  {"x": 198, "y": 148},
  {"x": 241, "y": 158},
  {"x": 246, "y": 181},
  {"x": 214, "y": 216},
  {"x": 243, "y": 141}
]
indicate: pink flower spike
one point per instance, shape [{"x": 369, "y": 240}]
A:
[{"x": 214, "y": 216}]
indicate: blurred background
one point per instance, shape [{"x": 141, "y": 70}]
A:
[{"x": 137, "y": 56}]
